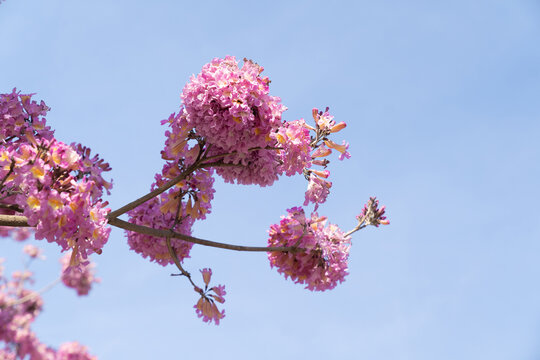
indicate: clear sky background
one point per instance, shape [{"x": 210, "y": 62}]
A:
[{"x": 442, "y": 105}]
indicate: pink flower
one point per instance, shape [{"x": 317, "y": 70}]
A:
[
  {"x": 321, "y": 261},
  {"x": 317, "y": 191},
  {"x": 207, "y": 309},
  {"x": 206, "y": 306},
  {"x": 207, "y": 275},
  {"x": 341, "y": 148},
  {"x": 73, "y": 351},
  {"x": 161, "y": 213},
  {"x": 33, "y": 251},
  {"x": 294, "y": 140},
  {"x": 373, "y": 215},
  {"x": 57, "y": 186},
  {"x": 342, "y": 125},
  {"x": 259, "y": 167},
  {"x": 76, "y": 275},
  {"x": 230, "y": 105},
  {"x": 321, "y": 151}
]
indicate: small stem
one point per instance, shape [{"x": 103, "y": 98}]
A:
[
  {"x": 169, "y": 233},
  {"x": 361, "y": 224},
  {"x": 348, "y": 233},
  {"x": 174, "y": 256},
  {"x": 36, "y": 293}
]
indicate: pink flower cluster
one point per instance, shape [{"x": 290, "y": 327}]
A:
[
  {"x": 58, "y": 187},
  {"x": 19, "y": 307},
  {"x": 155, "y": 248},
  {"x": 33, "y": 251},
  {"x": 230, "y": 105},
  {"x": 229, "y": 123},
  {"x": 177, "y": 208},
  {"x": 230, "y": 108},
  {"x": 206, "y": 306},
  {"x": 293, "y": 140},
  {"x": 373, "y": 215},
  {"x": 81, "y": 277},
  {"x": 317, "y": 191},
  {"x": 318, "y": 187},
  {"x": 321, "y": 259},
  {"x": 73, "y": 351}
]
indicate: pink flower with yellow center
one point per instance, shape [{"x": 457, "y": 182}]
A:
[{"x": 341, "y": 148}]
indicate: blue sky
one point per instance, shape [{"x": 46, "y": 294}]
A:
[{"x": 441, "y": 101}]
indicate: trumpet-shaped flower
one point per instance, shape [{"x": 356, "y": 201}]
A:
[{"x": 321, "y": 259}]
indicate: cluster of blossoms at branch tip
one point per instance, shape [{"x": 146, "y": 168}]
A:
[
  {"x": 80, "y": 278},
  {"x": 58, "y": 187},
  {"x": 206, "y": 306},
  {"x": 318, "y": 187},
  {"x": 373, "y": 215},
  {"x": 321, "y": 259},
  {"x": 230, "y": 105},
  {"x": 19, "y": 307},
  {"x": 241, "y": 123}
]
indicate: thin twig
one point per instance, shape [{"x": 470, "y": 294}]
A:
[
  {"x": 11, "y": 167},
  {"x": 36, "y": 293},
  {"x": 174, "y": 256},
  {"x": 359, "y": 227}
]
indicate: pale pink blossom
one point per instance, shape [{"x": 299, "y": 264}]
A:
[
  {"x": 77, "y": 275},
  {"x": 323, "y": 250}
]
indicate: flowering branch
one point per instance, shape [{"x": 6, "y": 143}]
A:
[
  {"x": 228, "y": 125},
  {"x": 371, "y": 215},
  {"x": 199, "y": 164},
  {"x": 171, "y": 234},
  {"x": 152, "y": 194}
]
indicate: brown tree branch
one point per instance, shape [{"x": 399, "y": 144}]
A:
[
  {"x": 171, "y": 234},
  {"x": 22, "y": 221},
  {"x": 14, "y": 220},
  {"x": 132, "y": 205},
  {"x": 198, "y": 164}
]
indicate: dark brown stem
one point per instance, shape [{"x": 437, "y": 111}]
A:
[
  {"x": 22, "y": 221},
  {"x": 174, "y": 256},
  {"x": 13, "y": 207},
  {"x": 171, "y": 234},
  {"x": 236, "y": 152},
  {"x": 132, "y": 205},
  {"x": 11, "y": 167},
  {"x": 217, "y": 164},
  {"x": 14, "y": 220}
]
